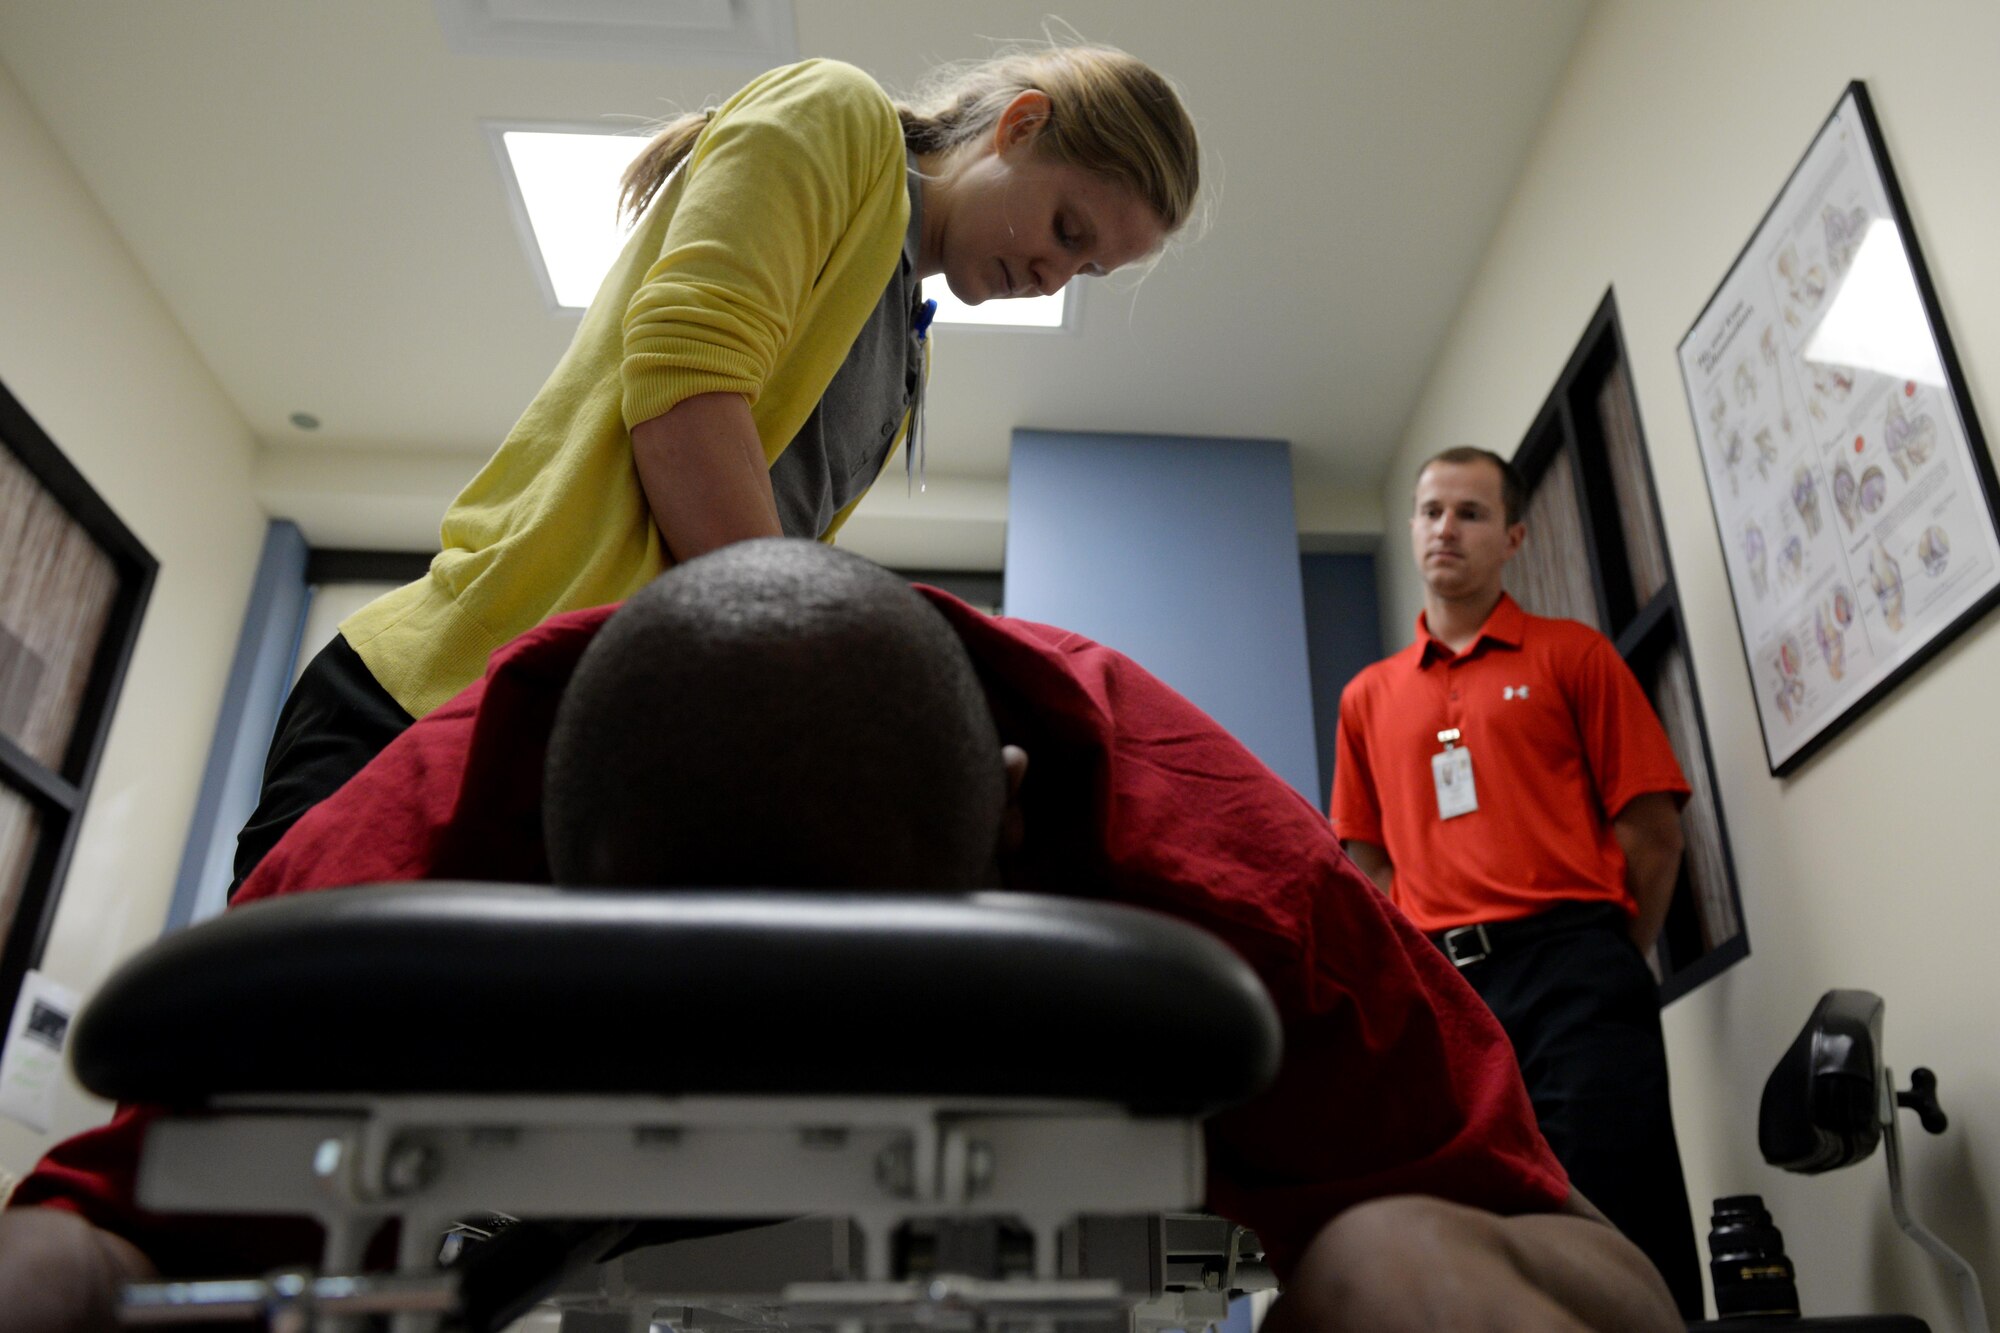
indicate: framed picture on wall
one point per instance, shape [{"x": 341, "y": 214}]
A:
[
  {"x": 1597, "y": 553},
  {"x": 73, "y": 584},
  {"x": 1851, "y": 484}
]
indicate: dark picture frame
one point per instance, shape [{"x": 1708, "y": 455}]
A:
[
  {"x": 74, "y": 583},
  {"x": 1597, "y": 553},
  {"x": 1851, "y": 484}
]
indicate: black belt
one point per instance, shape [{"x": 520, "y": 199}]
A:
[{"x": 1466, "y": 945}]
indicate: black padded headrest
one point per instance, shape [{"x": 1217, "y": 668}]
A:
[
  {"x": 482, "y": 988},
  {"x": 1819, "y": 1108}
]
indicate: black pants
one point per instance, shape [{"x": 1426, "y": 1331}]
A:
[
  {"x": 1583, "y": 1011},
  {"x": 337, "y": 719}
]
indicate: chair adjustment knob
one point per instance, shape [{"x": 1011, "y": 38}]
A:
[{"x": 1922, "y": 1098}]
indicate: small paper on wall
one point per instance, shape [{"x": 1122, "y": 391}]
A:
[{"x": 31, "y": 1066}]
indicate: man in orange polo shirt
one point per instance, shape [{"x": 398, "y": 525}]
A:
[{"x": 1505, "y": 781}]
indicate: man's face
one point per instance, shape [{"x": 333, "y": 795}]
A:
[{"x": 1459, "y": 531}]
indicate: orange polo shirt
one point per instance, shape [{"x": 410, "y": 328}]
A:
[{"x": 1561, "y": 737}]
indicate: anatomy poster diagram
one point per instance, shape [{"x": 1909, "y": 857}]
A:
[{"x": 1852, "y": 488}]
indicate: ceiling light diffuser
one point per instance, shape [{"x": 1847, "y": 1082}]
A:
[
  {"x": 1024, "y": 312},
  {"x": 567, "y": 185}
]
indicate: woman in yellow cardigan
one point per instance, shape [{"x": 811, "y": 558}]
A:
[{"x": 753, "y": 357}]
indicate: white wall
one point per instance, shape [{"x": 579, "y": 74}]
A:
[
  {"x": 1874, "y": 866},
  {"x": 379, "y": 499},
  {"x": 94, "y": 356}
]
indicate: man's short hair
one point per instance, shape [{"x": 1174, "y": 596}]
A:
[
  {"x": 774, "y": 713},
  {"x": 1513, "y": 491}
]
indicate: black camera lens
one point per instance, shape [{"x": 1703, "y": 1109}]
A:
[{"x": 1747, "y": 1260}]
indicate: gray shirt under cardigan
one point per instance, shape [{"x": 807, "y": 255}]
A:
[{"x": 840, "y": 450}]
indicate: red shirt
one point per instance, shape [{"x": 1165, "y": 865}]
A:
[
  {"x": 1561, "y": 738},
  {"x": 1395, "y": 1079}
]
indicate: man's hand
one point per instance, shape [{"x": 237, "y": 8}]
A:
[
  {"x": 1648, "y": 829},
  {"x": 1415, "y": 1265},
  {"x": 1373, "y": 861},
  {"x": 60, "y": 1274}
]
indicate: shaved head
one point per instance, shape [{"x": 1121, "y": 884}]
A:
[{"x": 774, "y": 713}]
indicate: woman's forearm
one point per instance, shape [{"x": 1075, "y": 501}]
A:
[{"x": 701, "y": 465}]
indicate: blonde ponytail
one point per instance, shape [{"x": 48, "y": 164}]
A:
[{"x": 649, "y": 171}]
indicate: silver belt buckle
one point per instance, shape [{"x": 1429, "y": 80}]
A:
[{"x": 1463, "y": 936}]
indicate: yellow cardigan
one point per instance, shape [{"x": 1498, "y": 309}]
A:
[{"x": 752, "y": 272}]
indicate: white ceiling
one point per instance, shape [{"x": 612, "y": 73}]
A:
[{"x": 309, "y": 186}]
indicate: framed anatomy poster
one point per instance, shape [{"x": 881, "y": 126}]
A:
[{"x": 1852, "y": 488}]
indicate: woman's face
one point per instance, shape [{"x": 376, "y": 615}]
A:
[{"x": 1007, "y": 221}]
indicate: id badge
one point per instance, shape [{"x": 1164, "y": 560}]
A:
[{"x": 1451, "y": 771}]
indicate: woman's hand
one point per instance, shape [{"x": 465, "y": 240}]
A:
[{"x": 1414, "y": 1265}]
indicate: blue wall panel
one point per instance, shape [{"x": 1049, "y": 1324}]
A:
[
  {"x": 1343, "y": 635},
  {"x": 1183, "y": 554},
  {"x": 260, "y": 679}
]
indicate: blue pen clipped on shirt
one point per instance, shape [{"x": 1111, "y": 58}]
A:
[{"x": 913, "y": 457}]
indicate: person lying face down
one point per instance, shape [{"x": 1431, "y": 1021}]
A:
[{"x": 780, "y": 714}]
